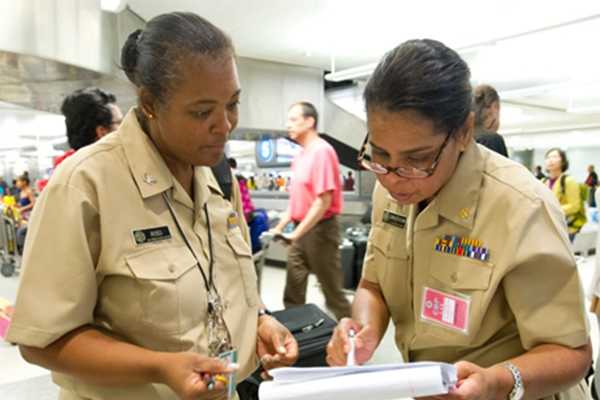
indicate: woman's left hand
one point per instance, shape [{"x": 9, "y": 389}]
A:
[
  {"x": 474, "y": 383},
  {"x": 276, "y": 346}
]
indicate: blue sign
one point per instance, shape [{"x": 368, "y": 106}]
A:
[{"x": 266, "y": 150}]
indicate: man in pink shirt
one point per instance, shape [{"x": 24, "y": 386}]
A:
[{"x": 315, "y": 202}]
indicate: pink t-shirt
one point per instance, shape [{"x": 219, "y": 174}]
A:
[{"x": 315, "y": 170}]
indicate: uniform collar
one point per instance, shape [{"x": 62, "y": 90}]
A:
[
  {"x": 148, "y": 168},
  {"x": 457, "y": 200},
  {"x": 205, "y": 184},
  {"x": 150, "y": 172}
]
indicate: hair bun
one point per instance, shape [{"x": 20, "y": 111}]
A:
[{"x": 129, "y": 55}]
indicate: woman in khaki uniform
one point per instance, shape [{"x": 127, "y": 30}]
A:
[
  {"x": 137, "y": 272},
  {"x": 468, "y": 253}
]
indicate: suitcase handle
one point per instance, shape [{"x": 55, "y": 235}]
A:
[{"x": 309, "y": 327}]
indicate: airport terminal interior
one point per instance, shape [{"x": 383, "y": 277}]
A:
[{"x": 541, "y": 59}]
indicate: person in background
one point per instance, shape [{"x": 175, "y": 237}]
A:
[
  {"x": 25, "y": 203},
  {"x": 243, "y": 185},
  {"x": 349, "y": 182},
  {"x": 539, "y": 173},
  {"x": 14, "y": 189},
  {"x": 315, "y": 202},
  {"x": 142, "y": 280},
  {"x": 486, "y": 102},
  {"x": 272, "y": 182},
  {"x": 566, "y": 190},
  {"x": 251, "y": 183},
  {"x": 90, "y": 114},
  {"x": 468, "y": 252},
  {"x": 3, "y": 187},
  {"x": 26, "y": 197},
  {"x": 592, "y": 181},
  {"x": 288, "y": 182}
]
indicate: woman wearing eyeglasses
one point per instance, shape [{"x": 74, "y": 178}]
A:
[
  {"x": 468, "y": 253},
  {"x": 138, "y": 279}
]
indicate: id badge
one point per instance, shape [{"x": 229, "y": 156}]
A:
[
  {"x": 445, "y": 309},
  {"x": 230, "y": 357}
]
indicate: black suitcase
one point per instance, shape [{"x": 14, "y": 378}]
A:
[
  {"x": 312, "y": 329},
  {"x": 360, "y": 248}
]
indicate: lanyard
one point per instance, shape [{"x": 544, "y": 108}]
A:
[{"x": 209, "y": 283}]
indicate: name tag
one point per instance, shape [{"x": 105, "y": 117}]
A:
[
  {"x": 445, "y": 309},
  {"x": 396, "y": 220},
  {"x": 150, "y": 235}
]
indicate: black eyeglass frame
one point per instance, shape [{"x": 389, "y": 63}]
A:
[{"x": 365, "y": 161}]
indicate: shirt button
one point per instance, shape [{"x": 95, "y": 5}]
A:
[
  {"x": 454, "y": 277},
  {"x": 149, "y": 179},
  {"x": 171, "y": 268}
]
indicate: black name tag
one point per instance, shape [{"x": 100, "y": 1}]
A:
[
  {"x": 394, "y": 219},
  {"x": 150, "y": 235}
]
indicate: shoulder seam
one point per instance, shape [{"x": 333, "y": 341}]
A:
[
  {"x": 503, "y": 182},
  {"x": 84, "y": 159}
]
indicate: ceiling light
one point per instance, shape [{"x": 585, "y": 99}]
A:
[
  {"x": 352, "y": 73},
  {"x": 114, "y": 6}
]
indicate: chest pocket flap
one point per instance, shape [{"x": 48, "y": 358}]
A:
[
  {"x": 461, "y": 272},
  {"x": 161, "y": 263},
  {"x": 389, "y": 242},
  {"x": 239, "y": 245}
]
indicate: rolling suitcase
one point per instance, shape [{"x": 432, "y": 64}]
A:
[
  {"x": 347, "y": 255},
  {"x": 312, "y": 329}
]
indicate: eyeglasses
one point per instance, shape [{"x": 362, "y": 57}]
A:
[{"x": 406, "y": 172}]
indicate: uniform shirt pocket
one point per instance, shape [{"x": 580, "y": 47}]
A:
[
  {"x": 461, "y": 273},
  {"x": 167, "y": 285},
  {"x": 243, "y": 255},
  {"x": 393, "y": 273}
]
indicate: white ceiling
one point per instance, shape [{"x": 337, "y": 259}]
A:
[
  {"x": 549, "y": 80},
  {"x": 359, "y": 31},
  {"x": 546, "y": 68}
]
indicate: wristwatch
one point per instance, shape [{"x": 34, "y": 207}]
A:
[
  {"x": 518, "y": 390},
  {"x": 263, "y": 311}
]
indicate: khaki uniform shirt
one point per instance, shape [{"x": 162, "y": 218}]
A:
[
  {"x": 85, "y": 262},
  {"x": 525, "y": 294}
]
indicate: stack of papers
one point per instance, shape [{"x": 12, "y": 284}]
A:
[{"x": 373, "y": 382}]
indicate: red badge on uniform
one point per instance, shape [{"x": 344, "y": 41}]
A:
[{"x": 445, "y": 309}]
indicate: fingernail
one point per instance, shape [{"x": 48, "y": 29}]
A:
[
  {"x": 281, "y": 349},
  {"x": 234, "y": 366}
]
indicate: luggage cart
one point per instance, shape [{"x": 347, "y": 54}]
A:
[{"x": 8, "y": 247}]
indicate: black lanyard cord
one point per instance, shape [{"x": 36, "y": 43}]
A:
[{"x": 208, "y": 283}]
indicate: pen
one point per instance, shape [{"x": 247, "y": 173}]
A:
[{"x": 350, "y": 361}]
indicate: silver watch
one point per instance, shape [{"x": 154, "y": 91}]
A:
[{"x": 518, "y": 390}]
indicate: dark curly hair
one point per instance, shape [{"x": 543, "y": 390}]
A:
[{"x": 84, "y": 110}]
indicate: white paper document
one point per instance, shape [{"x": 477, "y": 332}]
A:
[{"x": 373, "y": 382}]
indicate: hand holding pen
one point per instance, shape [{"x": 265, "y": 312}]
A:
[
  {"x": 351, "y": 344},
  {"x": 194, "y": 376}
]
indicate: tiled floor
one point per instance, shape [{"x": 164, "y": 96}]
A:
[{"x": 22, "y": 381}]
